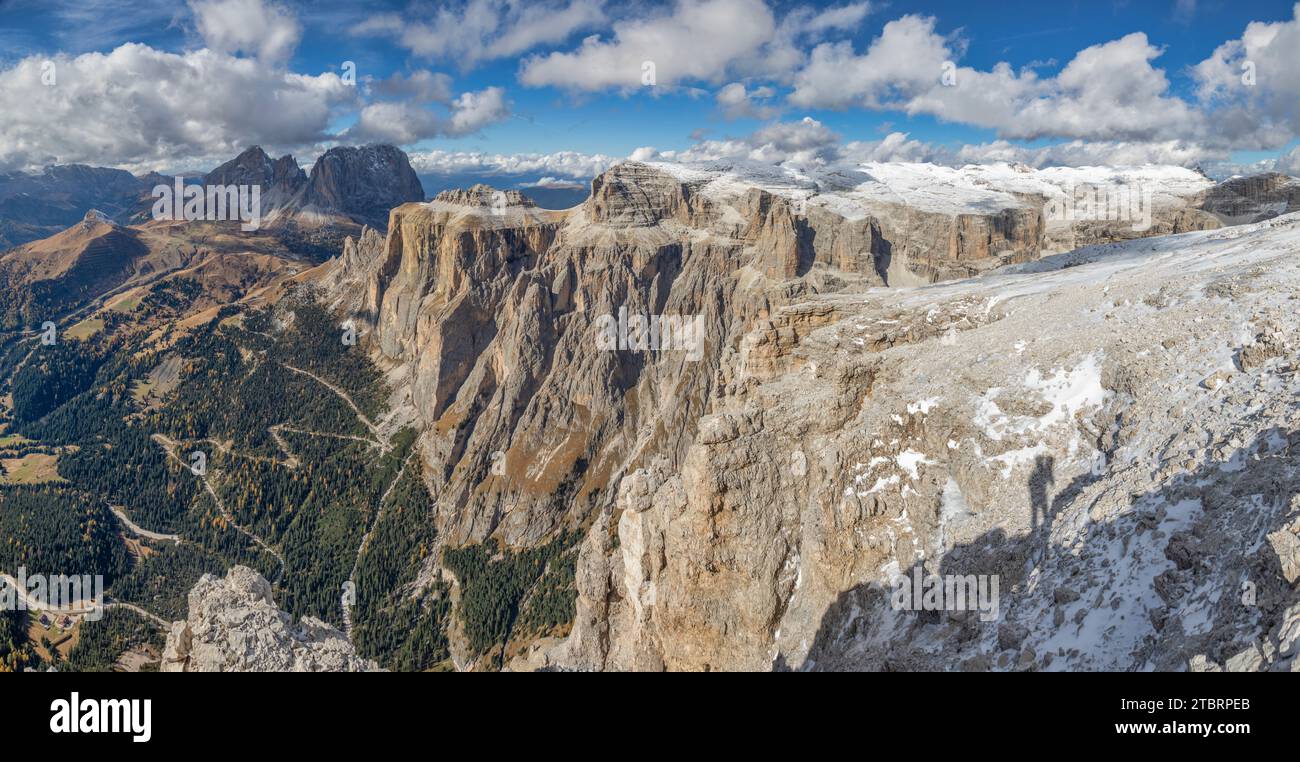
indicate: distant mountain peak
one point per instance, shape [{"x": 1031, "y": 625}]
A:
[
  {"x": 484, "y": 195},
  {"x": 363, "y": 182}
]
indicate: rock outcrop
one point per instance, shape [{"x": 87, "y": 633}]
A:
[{"x": 234, "y": 626}]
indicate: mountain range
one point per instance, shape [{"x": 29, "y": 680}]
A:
[{"x": 897, "y": 367}]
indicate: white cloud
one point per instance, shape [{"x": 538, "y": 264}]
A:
[
  {"x": 807, "y": 142},
  {"x": 896, "y": 146},
  {"x": 737, "y": 102},
  {"x": 473, "y": 111},
  {"x": 807, "y": 134},
  {"x": 698, "y": 40},
  {"x": 803, "y": 141},
  {"x": 253, "y": 27},
  {"x": 1252, "y": 82},
  {"x": 1108, "y": 92},
  {"x": 841, "y": 18},
  {"x": 141, "y": 108},
  {"x": 1289, "y": 162},
  {"x": 903, "y": 62},
  {"x": 557, "y": 183},
  {"x": 564, "y": 164},
  {"x": 1081, "y": 153},
  {"x": 405, "y": 122},
  {"x": 478, "y": 30}
]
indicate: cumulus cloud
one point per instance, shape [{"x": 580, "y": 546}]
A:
[
  {"x": 697, "y": 40},
  {"x": 1252, "y": 84},
  {"x": 807, "y": 142},
  {"x": 1289, "y": 162},
  {"x": 896, "y": 146},
  {"x": 479, "y": 30},
  {"x": 561, "y": 164},
  {"x": 475, "y": 110},
  {"x": 407, "y": 121},
  {"x": 557, "y": 183},
  {"x": 903, "y": 62},
  {"x": 1109, "y": 91},
  {"x": 1110, "y": 97},
  {"x": 1081, "y": 153},
  {"x": 253, "y": 27},
  {"x": 142, "y": 108},
  {"x": 841, "y": 18},
  {"x": 737, "y": 102},
  {"x": 804, "y": 141}
]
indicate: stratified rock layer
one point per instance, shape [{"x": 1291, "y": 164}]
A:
[{"x": 747, "y": 500}]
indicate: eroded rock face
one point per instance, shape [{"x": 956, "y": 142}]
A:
[
  {"x": 747, "y": 504},
  {"x": 234, "y": 626},
  {"x": 494, "y": 308},
  {"x": 348, "y": 186},
  {"x": 1255, "y": 198},
  {"x": 1072, "y": 452}
]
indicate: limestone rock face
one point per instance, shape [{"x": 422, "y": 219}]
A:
[
  {"x": 493, "y": 308},
  {"x": 1071, "y": 453},
  {"x": 1254, "y": 198},
  {"x": 748, "y": 495},
  {"x": 234, "y": 626}
]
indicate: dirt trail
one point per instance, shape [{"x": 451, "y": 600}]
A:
[
  {"x": 163, "y": 623},
  {"x": 374, "y": 429},
  {"x": 141, "y": 531},
  {"x": 365, "y": 539},
  {"x": 169, "y": 446}
]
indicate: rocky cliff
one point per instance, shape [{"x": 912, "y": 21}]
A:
[
  {"x": 281, "y": 180},
  {"x": 1255, "y": 198},
  {"x": 748, "y": 493},
  {"x": 234, "y": 626},
  {"x": 1128, "y": 480}
]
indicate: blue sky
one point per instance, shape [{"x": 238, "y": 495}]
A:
[{"x": 480, "y": 86}]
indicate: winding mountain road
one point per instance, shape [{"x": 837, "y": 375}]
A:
[{"x": 140, "y": 531}]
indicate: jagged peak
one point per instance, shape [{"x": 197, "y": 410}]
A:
[
  {"x": 253, "y": 152},
  {"x": 94, "y": 217}
]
